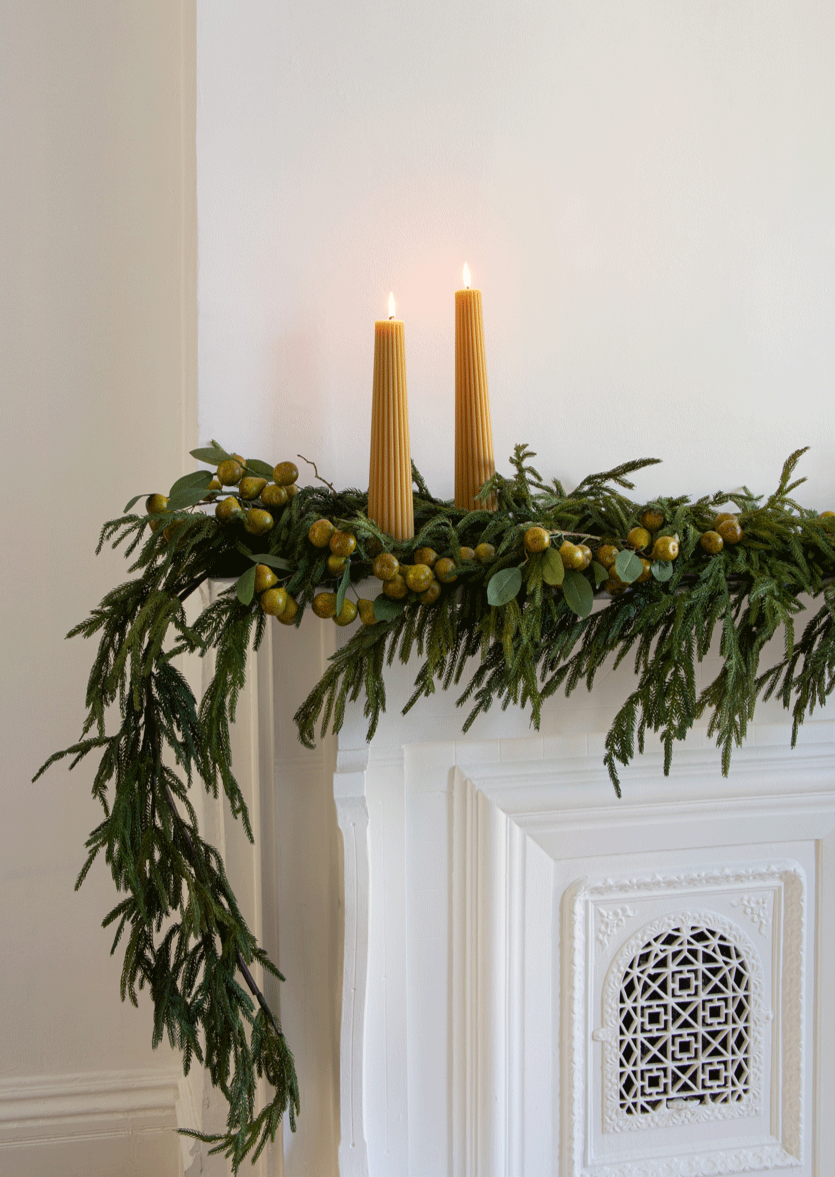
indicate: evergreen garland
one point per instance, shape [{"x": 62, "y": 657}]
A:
[{"x": 514, "y": 625}]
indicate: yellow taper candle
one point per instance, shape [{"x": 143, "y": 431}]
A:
[
  {"x": 474, "y": 461},
  {"x": 390, "y": 502}
]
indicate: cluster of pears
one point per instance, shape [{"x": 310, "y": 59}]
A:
[
  {"x": 641, "y": 540},
  {"x": 273, "y": 599},
  {"x": 428, "y": 573},
  {"x": 726, "y": 530},
  {"x": 258, "y": 520},
  {"x": 424, "y": 577}
]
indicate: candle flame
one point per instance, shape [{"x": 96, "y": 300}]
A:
[
  {"x": 391, "y": 306},
  {"x": 467, "y": 279}
]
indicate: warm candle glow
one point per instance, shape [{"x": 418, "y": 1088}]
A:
[
  {"x": 391, "y": 306},
  {"x": 467, "y": 281}
]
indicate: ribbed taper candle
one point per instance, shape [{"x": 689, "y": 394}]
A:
[
  {"x": 474, "y": 461},
  {"x": 390, "y": 502}
]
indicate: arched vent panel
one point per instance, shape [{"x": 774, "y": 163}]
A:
[{"x": 684, "y": 1023}]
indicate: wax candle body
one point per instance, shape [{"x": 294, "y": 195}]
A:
[
  {"x": 474, "y": 461},
  {"x": 390, "y": 502}
]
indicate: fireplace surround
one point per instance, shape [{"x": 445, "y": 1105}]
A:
[
  {"x": 538, "y": 978},
  {"x": 533, "y": 977}
]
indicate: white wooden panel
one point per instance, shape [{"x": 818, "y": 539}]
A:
[{"x": 492, "y": 836}]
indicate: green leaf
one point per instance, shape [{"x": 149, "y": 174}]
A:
[
  {"x": 385, "y": 608},
  {"x": 503, "y": 586},
  {"x": 264, "y": 558},
  {"x": 134, "y": 500},
  {"x": 213, "y": 454},
  {"x": 578, "y": 593},
  {"x": 343, "y": 585},
  {"x": 246, "y": 586},
  {"x": 628, "y": 567},
  {"x": 262, "y": 469},
  {"x": 553, "y": 569},
  {"x": 662, "y": 569},
  {"x": 200, "y": 478},
  {"x": 599, "y": 573},
  {"x": 187, "y": 496}
]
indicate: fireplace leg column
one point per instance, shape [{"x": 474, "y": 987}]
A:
[{"x": 352, "y": 815}]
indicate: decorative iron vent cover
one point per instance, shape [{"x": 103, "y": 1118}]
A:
[
  {"x": 686, "y": 1005},
  {"x": 684, "y": 998}
]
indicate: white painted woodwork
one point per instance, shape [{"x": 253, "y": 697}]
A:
[{"x": 476, "y": 1055}]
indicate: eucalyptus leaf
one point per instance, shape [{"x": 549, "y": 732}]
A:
[
  {"x": 246, "y": 586},
  {"x": 131, "y": 502},
  {"x": 187, "y": 496},
  {"x": 262, "y": 469},
  {"x": 553, "y": 569},
  {"x": 385, "y": 608},
  {"x": 343, "y": 587},
  {"x": 662, "y": 570},
  {"x": 265, "y": 558},
  {"x": 200, "y": 478},
  {"x": 504, "y": 586},
  {"x": 628, "y": 566},
  {"x": 599, "y": 573},
  {"x": 578, "y": 593},
  {"x": 213, "y": 454}
]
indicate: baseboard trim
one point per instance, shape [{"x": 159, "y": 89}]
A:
[{"x": 93, "y": 1103}]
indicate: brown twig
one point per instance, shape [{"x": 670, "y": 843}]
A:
[{"x": 318, "y": 475}]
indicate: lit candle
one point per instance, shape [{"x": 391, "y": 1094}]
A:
[
  {"x": 390, "y": 502},
  {"x": 474, "y": 461}
]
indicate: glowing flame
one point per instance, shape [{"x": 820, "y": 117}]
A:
[
  {"x": 467, "y": 275},
  {"x": 391, "y": 306}
]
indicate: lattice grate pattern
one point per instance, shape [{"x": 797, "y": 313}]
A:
[{"x": 684, "y": 1023}]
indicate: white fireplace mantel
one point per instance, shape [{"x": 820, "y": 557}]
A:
[{"x": 466, "y": 1043}]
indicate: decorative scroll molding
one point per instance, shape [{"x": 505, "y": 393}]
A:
[
  {"x": 758, "y": 910},
  {"x": 611, "y": 921},
  {"x": 722, "y": 1161}
]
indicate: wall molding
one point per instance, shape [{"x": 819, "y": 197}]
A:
[{"x": 57, "y": 1106}]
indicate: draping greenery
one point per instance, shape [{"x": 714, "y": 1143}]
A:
[{"x": 513, "y": 626}]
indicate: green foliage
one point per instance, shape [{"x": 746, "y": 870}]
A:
[{"x": 516, "y": 630}]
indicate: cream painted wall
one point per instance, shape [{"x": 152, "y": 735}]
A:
[{"x": 97, "y": 240}]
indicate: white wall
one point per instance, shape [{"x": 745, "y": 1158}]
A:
[
  {"x": 98, "y": 402},
  {"x": 643, "y": 191}
]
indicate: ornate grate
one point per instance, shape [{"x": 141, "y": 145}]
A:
[{"x": 684, "y": 1023}]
